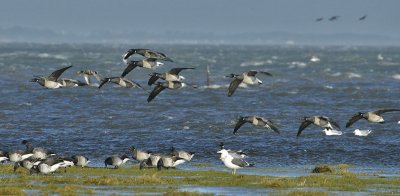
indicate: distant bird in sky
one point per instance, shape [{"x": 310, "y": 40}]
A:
[
  {"x": 334, "y": 18},
  {"x": 319, "y": 19},
  {"x": 145, "y": 63},
  {"x": 147, "y": 53},
  {"x": 171, "y": 75},
  {"x": 257, "y": 121},
  {"x": 163, "y": 85},
  {"x": 374, "y": 116},
  {"x": 51, "y": 80},
  {"x": 321, "y": 121},
  {"x": 363, "y": 17},
  {"x": 246, "y": 77}
]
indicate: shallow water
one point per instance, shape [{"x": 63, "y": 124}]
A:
[{"x": 98, "y": 123}]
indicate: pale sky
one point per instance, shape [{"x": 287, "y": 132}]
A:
[{"x": 204, "y": 16}]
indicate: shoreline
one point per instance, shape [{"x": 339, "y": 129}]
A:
[{"x": 130, "y": 180}]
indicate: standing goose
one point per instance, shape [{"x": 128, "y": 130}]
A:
[
  {"x": 186, "y": 155},
  {"x": 246, "y": 77},
  {"x": 152, "y": 161},
  {"x": 374, "y": 116},
  {"x": 147, "y": 53},
  {"x": 168, "y": 161},
  {"x": 257, "y": 121},
  {"x": 26, "y": 163},
  {"x": 145, "y": 63},
  {"x": 48, "y": 165},
  {"x": 140, "y": 155},
  {"x": 116, "y": 161},
  {"x": 121, "y": 81},
  {"x": 171, "y": 75},
  {"x": 321, "y": 121},
  {"x": 51, "y": 80},
  {"x": 87, "y": 73},
  {"x": 18, "y": 155},
  {"x": 38, "y": 152},
  {"x": 163, "y": 85},
  {"x": 3, "y": 156},
  {"x": 80, "y": 160},
  {"x": 233, "y": 163}
]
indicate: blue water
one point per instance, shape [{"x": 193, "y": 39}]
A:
[{"x": 98, "y": 123}]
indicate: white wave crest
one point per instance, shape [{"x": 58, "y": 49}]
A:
[
  {"x": 297, "y": 64},
  {"x": 396, "y": 76},
  {"x": 353, "y": 75},
  {"x": 255, "y": 63}
]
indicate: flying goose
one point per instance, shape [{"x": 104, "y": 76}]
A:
[
  {"x": 246, "y": 77},
  {"x": 51, "y": 80},
  {"x": 116, "y": 160},
  {"x": 363, "y": 17},
  {"x": 333, "y": 18},
  {"x": 171, "y": 75},
  {"x": 374, "y": 116},
  {"x": 145, "y": 63},
  {"x": 147, "y": 53},
  {"x": 121, "y": 81},
  {"x": 321, "y": 121},
  {"x": 163, "y": 85},
  {"x": 319, "y": 19},
  {"x": 87, "y": 73},
  {"x": 233, "y": 163},
  {"x": 257, "y": 121},
  {"x": 69, "y": 83}
]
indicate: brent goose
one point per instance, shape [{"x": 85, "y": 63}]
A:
[
  {"x": 69, "y": 83},
  {"x": 48, "y": 165},
  {"x": 145, "y": 63},
  {"x": 257, "y": 121},
  {"x": 80, "y": 160},
  {"x": 171, "y": 75},
  {"x": 38, "y": 152},
  {"x": 160, "y": 86},
  {"x": 3, "y": 156},
  {"x": 363, "y": 17},
  {"x": 18, "y": 155},
  {"x": 168, "y": 161},
  {"x": 374, "y": 116},
  {"x": 231, "y": 162},
  {"x": 87, "y": 73},
  {"x": 152, "y": 161},
  {"x": 319, "y": 19},
  {"x": 147, "y": 53},
  {"x": 26, "y": 163},
  {"x": 333, "y": 18},
  {"x": 116, "y": 160},
  {"x": 51, "y": 80},
  {"x": 246, "y": 77},
  {"x": 140, "y": 155},
  {"x": 121, "y": 81},
  {"x": 186, "y": 155},
  {"x": 321, "y": 121}
]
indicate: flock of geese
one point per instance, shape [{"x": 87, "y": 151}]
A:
[{"x": 40, "y": 160}]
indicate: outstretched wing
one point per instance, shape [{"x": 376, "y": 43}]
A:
[
  {"x": 56, "y": 74},
  {"x": 233, "y": 86},
  {"x": 271, "y": 124},
  {"x": 128, "y": 69},
  {"x": 152, "y": 79},
  {"x": 252, "y": 73},
  {"x": 303, "y": 125},
  {"x": 105, "y": 80},
  {"x": 129, "y": 53},
  {"x": 155, "y": 92},
  {"x": 239, "y": 124},
  {"x": 176, "y": 71},
  {"x": 379, "y": 112},
  {"x": 334, "y": 123},
  {"x": 266, "y": 73},
  {"x": 354, "y": 119}
]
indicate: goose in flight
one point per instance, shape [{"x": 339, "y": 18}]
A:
[
  {"x": 50, "y": 81},
  {"x": 171, "y": 75},
  {"x": 145, "y": 63},
  {"x": 257, "y": 121},
  {"x": 147, "y": 53},
  {"x": 246, "y": 77},
  {"x": 374, "y": 116},
  {"x": 321, "y": 121}
]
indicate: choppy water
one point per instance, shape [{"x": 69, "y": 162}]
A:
[{"x": 99, "y": 123}]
